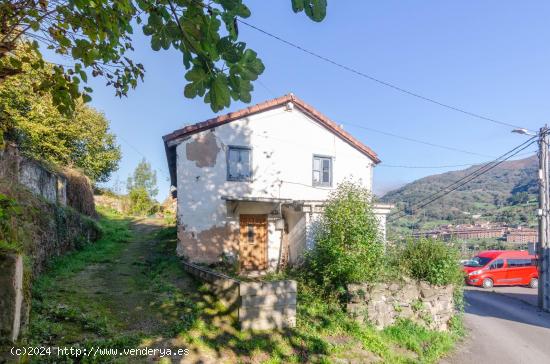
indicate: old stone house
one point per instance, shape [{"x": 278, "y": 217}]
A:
[{"x": 251, "y": 184}]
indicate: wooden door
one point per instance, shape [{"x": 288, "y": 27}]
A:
[{"x": 253, "y": 242}]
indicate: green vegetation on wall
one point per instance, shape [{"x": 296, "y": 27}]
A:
[{"x": 9, "y": 211}]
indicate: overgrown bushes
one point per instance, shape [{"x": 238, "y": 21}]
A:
[
  {"x": 427, "y": 260},
  {"x": 140, "y": 202},
  {"x": 348, "y": 247}
]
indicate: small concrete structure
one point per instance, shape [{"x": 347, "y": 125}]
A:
[
  {"x": 383, "y": 303},
  {"x": 11, "y": 295},
  {"x": 267, "y": 305},
  {"x": 259, "y": 305}
]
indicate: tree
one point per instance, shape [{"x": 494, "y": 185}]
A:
[
  {"x": 80, "y": 140},
  {"x": 140, "y": 202},
  {"x": 518, "y": 198},
  {"x": 144, "y": 178},
  {"x": 96, "y": 36}
]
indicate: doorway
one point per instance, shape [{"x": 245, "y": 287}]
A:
[{"x": 253, "y": 242}]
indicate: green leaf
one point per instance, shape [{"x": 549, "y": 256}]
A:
[
  {"x": 316, "y": 10},
  {"x": 250, "y": 67},
  {"x": 155, "y": 43},
  {"x": 199, "y": 80},
  {"x": 83, "y": 76},
  {"x": 297, "y": 5},
  {"x": 154, "y": 21},
  {"x": 219, "y": 93}
]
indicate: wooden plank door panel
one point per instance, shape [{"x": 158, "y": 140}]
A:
[{"x": 253, "y": 242}]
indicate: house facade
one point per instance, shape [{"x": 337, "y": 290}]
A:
[{"x": 251, "y": 184}]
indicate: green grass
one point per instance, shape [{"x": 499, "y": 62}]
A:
[
  {"x": 129, "y": 290},
  {"x": 428, "y": 345}
]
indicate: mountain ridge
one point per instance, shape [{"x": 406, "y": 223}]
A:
[{"x": 510, "y": 184}]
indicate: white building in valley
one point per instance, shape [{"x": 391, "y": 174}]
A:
[{"x": 250, "y": 184}]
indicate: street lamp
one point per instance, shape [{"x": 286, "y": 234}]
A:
[
  {"x": 544, "y": 218},
  {"x": 523, "y": 131}
]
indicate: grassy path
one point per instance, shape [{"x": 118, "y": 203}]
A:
[{"x": 128, "y": 290}]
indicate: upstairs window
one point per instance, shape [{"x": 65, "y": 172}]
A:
[
  {"x": 322, "y": 171},
  {"x": 239, "y": 164}
]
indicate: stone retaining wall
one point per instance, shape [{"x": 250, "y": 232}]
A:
[
  {"x": 383, "y": 303},
  {"x": 57, "y": 231},
  {"x": 33, "y": 175},
  {"x": 259, "y": 305}
]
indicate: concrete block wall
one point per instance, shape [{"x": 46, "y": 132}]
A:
[
  {"x": 260, "y": 305},
  {"x": 268, "y": 305},
  {"x": 223, "y": 286}
]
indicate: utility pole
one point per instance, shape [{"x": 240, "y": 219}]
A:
[{"x": 544, "y": 222}]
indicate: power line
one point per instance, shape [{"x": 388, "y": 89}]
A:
[
  {"x": 417, "y": 140},
  {"x": 481, "y": 168},
  {"x": 399, "y": 136},
  {"x": 379, "y": 81},
  {"x": 445, "y": 166},
  {"x": 402, "y": 137},
  {"x": 471, "y": 176},
  {"x": 465, "y": 180},
  {"x": 167, "y": 175}
]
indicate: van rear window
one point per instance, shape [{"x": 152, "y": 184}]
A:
[{"x": 521, "y": 262}]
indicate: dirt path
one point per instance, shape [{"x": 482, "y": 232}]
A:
[{"x": 122, "y": 283}]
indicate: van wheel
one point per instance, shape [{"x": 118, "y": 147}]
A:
[
  {"x": 487, "y": 283},
  {"x": 534, "y": 283}
]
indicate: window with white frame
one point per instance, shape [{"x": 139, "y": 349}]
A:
[
  {"x": 322, "y": 171},
  {"x": 239, "y": 164}
]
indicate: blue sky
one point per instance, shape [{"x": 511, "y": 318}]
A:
[{"x": 488, "y": 57}]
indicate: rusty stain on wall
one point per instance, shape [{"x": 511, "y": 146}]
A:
[{"x": 203, "y": 150}]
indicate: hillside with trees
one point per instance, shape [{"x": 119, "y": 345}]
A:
[
  {"x": 80, "y": 139},
  {"x": 505, "y": 194}
]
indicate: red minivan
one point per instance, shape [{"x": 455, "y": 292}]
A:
[{"x": 502, "y": 268}]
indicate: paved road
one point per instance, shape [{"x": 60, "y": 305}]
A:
[{"x": 504, "y": 328}]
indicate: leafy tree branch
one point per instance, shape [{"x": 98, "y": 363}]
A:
[{"x": 97, "y": 39}]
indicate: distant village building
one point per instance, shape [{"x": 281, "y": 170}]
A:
[
  {"x": 481, "y": 231},
  {"x": 522, "y": 235},
  {"x": 476, "y": 233}
]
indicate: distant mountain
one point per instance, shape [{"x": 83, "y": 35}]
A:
[{"x": 505, "y": 193}]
